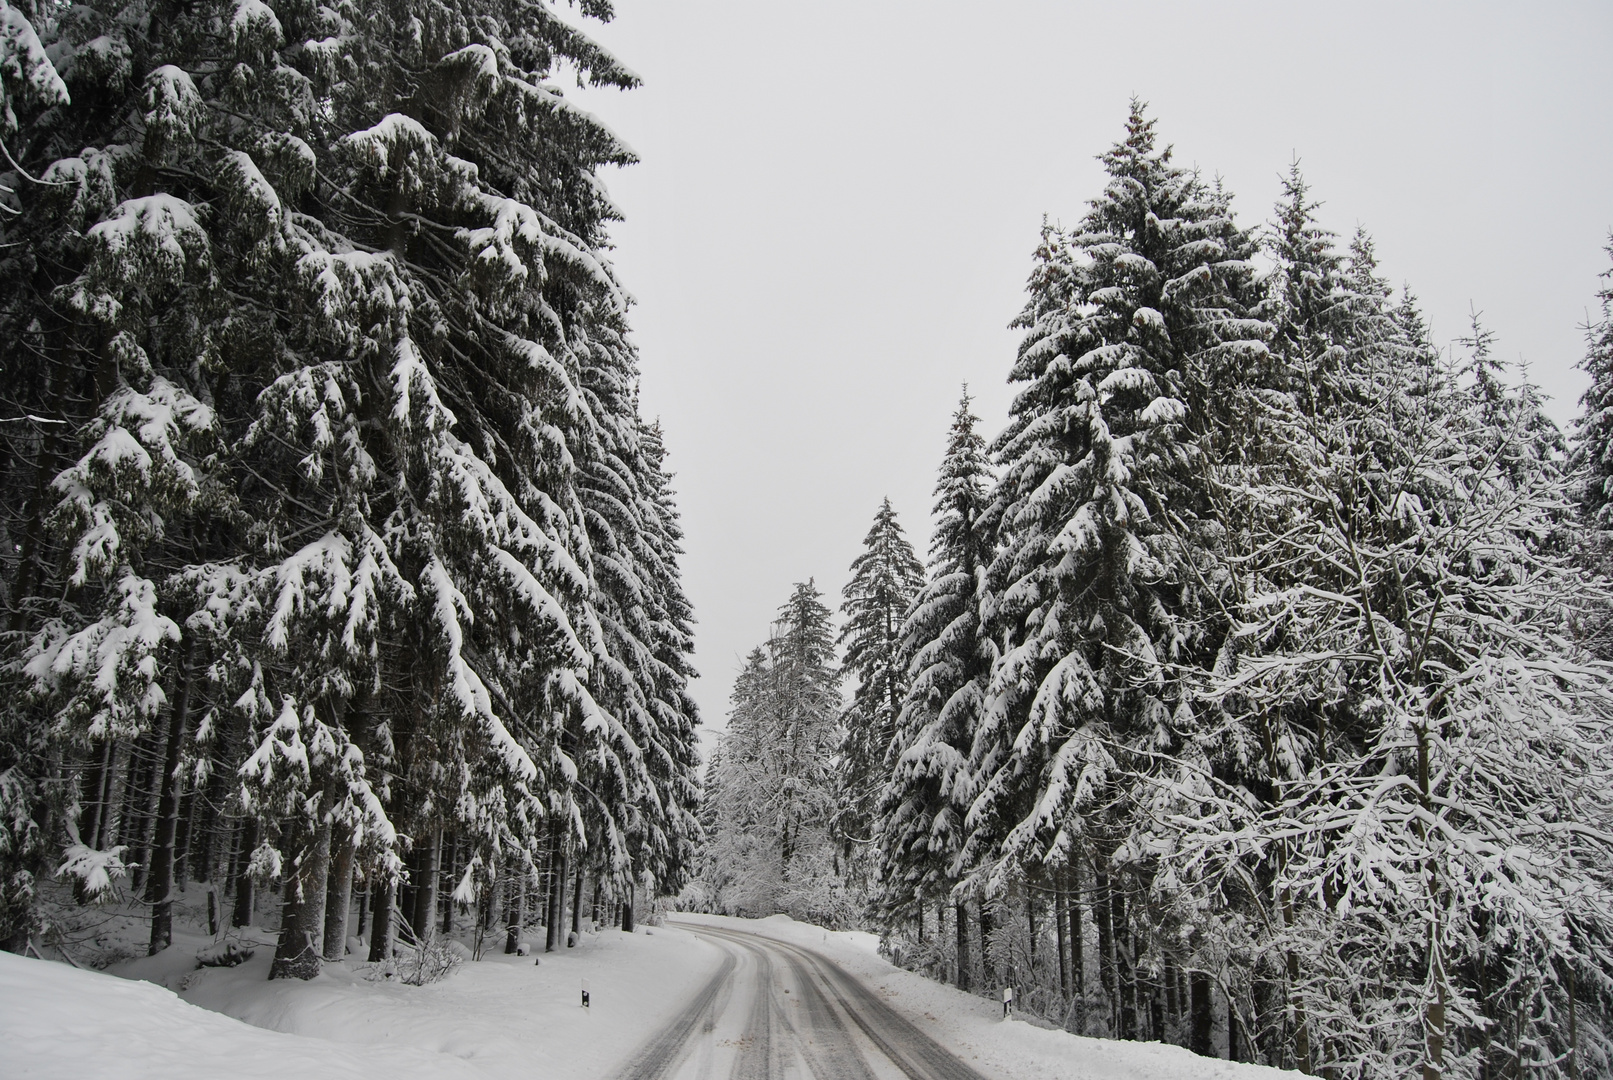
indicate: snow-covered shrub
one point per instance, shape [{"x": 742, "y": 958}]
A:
[
  {"x": 93, "y": 872},
  {"x": 420, "y": 962},
  {"x": 226, "y": 953}
]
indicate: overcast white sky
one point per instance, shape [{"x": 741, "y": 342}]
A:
[{"x": 833, "y": 218}]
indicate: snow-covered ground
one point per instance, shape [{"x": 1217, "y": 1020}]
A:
[{"x": 502, "y": 1017}]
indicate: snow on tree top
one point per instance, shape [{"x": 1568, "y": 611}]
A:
[
  {"x": 23, "y": 60},
  {"x": 165, "y": 221},
  {"x": 396, "y": 143},
  {"x": 255, "y": 19}
]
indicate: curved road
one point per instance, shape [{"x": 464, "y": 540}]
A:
[{"x": 775, "y": 1010}]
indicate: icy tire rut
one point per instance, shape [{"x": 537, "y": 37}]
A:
[{"x": 775, "y": 1010}]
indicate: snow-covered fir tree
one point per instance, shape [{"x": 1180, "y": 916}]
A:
[
  {"x": 927, "y": 794},
  {"x": 340, "y": 531},
  {"x": 885, "y": 578},
  {"x": 771, "y": 848},
  {"x": 1398, "y": 695},
  {"x": 1593, "y": 438},
  {"x": 1138, "y": 331}
]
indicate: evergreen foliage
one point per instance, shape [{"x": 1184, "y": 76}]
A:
[
  {"x": 338, "y": 525},
  {"x": 772, "y": 781},
  {"x": 1272, "y": 722},
  {"x": 923, "y": 803},
  {"x": 885, "y": 578},
  {"x": 1594, "y": 437}
]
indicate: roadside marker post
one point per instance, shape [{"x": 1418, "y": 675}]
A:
[
  {"x": 585, "y": 995},
  {"x": 1008, "y": 1002}
]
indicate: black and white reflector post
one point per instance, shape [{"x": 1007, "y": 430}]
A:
[
  {"x": 585, "y": 993},
  {"x": 1008, "y": 1001}
]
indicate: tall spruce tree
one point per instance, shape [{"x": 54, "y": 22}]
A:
[
  {"x": 1390, "y": 704},
  {"x": 1137, "y": 327},
  {"x": 1593, "y": 438},
  {"x": 922, "y": 805},
  {"x": 772, "y": 849},
  {"x": 885, "y": 578},
  {"x": 337, "y": 407}
]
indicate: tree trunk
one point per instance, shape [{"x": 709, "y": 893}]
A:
[
  {"x": 987, "y": 974},
  {"x": 1232, "y": 1030},
  {"x": 243, "y": 878},
  {"x": 385, "y": 894},
  {"x": 1434, "y": 1016},
  {"x": 551, "y": 895},
  {"x": 212, "y": 821},
  {"x": 448, "y": 882},
  {"x": 1302, "y": 1035},
  {"x": 513, "y": 913},
  {"x": 1171, "y": 988},
  {"x": 423, "y": 919},
  {"x": 1078, "y": 964},
  {"x": 144, "y": 798},
  {"x": 90, "y": 828},
  {"x": 1573, "y": 1023},
  {"x": 1125, "y": 965},
  {"x": 160, "y": 880},
  {"x": 340, "y": 896},
  {"x": 576, "y": 908},
  {"x": 1060, "y": 913},
  {"x": 962, "y": 918},
  {"x": 627, "y": 906},
  {"x": 296, "y": 955},
  {"x": 495, "y": 894},
  {"x": 117, "y": 784},
  {"x": 1103, "y": 911},
  {"x": 560, "y": 899},
  {"x": 1030, "y": 919},
  {"x": 1200, "y": 1041},
  {"x": 184, "y": 833}
]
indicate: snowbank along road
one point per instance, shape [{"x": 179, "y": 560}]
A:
[{"x": 775, "y": 1010}]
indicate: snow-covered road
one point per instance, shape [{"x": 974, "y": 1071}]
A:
[{"x": 777, "y": 1010}]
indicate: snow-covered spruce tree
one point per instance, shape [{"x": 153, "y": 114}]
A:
[
  {"x": 642, "y": 789},
  {"x": 1407, "y": 730},
  {"x": 804, "y": 688},
  {"x": 923, "y": 802},
  {"x": 672, "y": 760},
  {"x": 741, "y": 864},
  {"x": 388, "y": 221},
  {"x": 772, "y": 850},
  {"x": 1591, "y": 462},
  {"x": 1328, "y": 314},
  {"x": 477, "y": 264},
  {"x": 29, "y": 83},
  {"x": 115, "y": 288},
  {"x": 885, "y": 578},
  {"x": 1593, "y": 438},
  {"x": 1137, "y": 334}
]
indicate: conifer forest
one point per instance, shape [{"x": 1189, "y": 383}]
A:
[{"x": 1254, "y": 693}]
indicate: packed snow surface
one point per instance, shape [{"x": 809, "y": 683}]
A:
[
  {"x": 57, "y": 1021},
  {"x": 502, "y": 1017},
  {"x": 973, "y": 1028}
]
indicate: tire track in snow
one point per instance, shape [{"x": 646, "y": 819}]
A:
[
  {"x": 898, "y": 1038},
  {"x": 827, "y": 1048},
  {"x": 664, "y": 1051}
]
